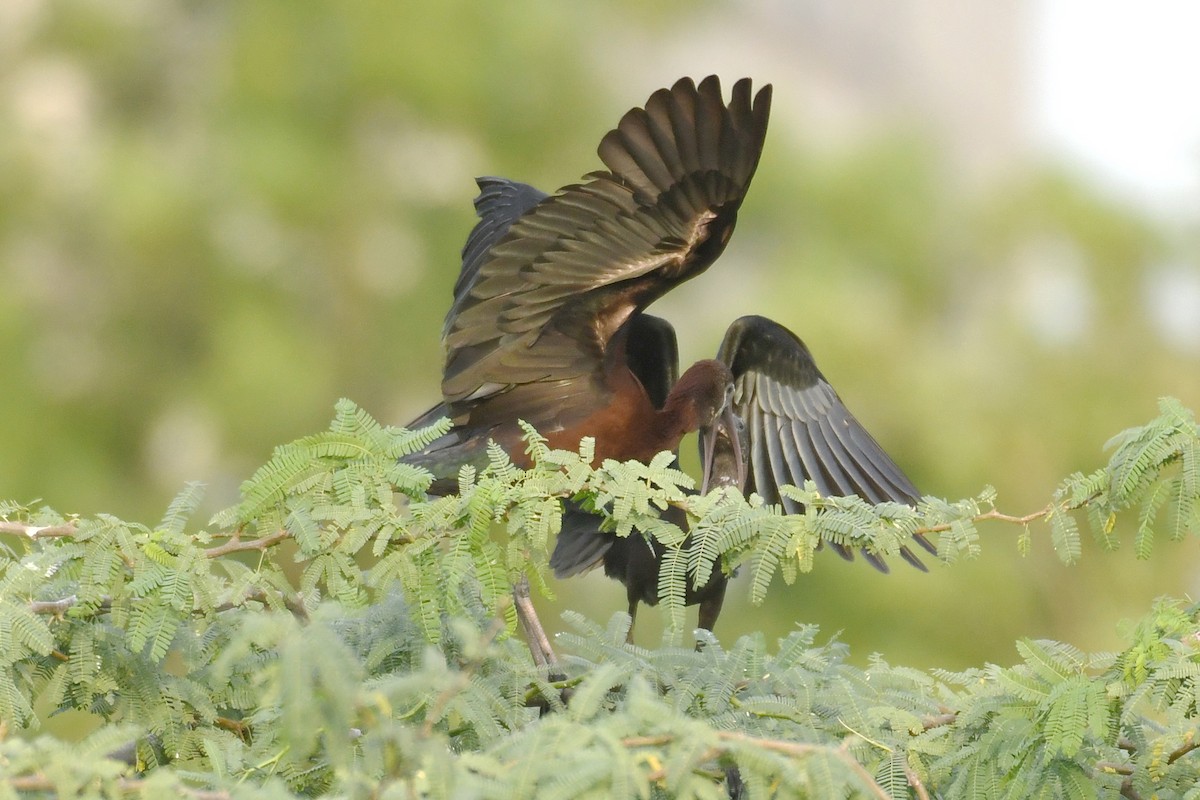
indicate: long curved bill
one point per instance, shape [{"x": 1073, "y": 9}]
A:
[{"x": 724, "y": 451}]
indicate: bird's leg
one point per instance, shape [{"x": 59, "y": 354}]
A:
[
  {"x": 633, "y": 607},
  {"x": 535, "y": 634}
]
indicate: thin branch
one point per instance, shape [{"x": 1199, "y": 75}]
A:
[
  {"x": 55, "y": 607},
  {"x": 234, "y": 726},
  {"x": 1127, "y": 790},
  {"x": 236, "y": 545},
  {"x": 1114, "y": 767},
  {"x": 993, "y": 515},
  {"x": 802, "y": 749},
  {"x": 936, "y": 721},
  {"x": 292, "y": 602},
  {"x": 647, "y": 741},
  {"x": 38, "y": 531},
  {"x": 535, "y": 635},
  {"x": 1182, "y": 751},
  {"x": 914, "y": 781}
]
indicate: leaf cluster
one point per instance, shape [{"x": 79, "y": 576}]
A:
[{"x": 339, "y": 634}]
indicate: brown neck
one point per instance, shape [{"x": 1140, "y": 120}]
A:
[{"x": 677, "y": 419}]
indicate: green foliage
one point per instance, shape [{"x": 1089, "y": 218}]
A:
[{"x": 382, "y": 660}]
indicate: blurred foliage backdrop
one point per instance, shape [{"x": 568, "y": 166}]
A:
[{"x": 217, "y": 218}]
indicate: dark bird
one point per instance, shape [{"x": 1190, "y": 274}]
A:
[
  {"x": 636, "y": 561},
  {"x": 799, "y": 429},
  {"x": 548, "y": 325}
]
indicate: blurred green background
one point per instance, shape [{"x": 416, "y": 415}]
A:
[{"x": 216, "y": 218}]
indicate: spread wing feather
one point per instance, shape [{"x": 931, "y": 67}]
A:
[
  {"x": 800, "y": 430},
  {"x": 570, "y": 270},
  {"x": 500, "y": 203}
]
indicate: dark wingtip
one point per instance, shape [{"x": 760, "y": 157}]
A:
[
  {"x": 843, "y": 551},
  {"x": 927, "y": 545},
  {"x": 689, "y": 129},
  {"x": 875, "y": 561},
  {"x": 686, "y": 84},
  {"x": 911, "y": 558}
]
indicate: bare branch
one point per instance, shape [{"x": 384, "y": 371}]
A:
[
  {"x": 236, "y": 545},
  {"x": 54, "y": 607},
  {"x": 993, "y": 515},
  {"x": 914, "y": 781},
  {"x": 38, "y": 531}
]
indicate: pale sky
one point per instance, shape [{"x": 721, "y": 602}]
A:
[{"x": 1116, "y": 88}]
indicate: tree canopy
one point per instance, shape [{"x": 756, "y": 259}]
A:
[{"x": 366, "y": 646}]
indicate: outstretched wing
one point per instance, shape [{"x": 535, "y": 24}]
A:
[
  {"x": 550, "y": 294},
  {"x": 800, "y": 430},
  {"x": 499, "y": 204}
]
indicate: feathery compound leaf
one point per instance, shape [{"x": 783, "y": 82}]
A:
[
  {"x": 1069, "y": 715},
  {"x": 182, "y": 507},
  {"x": 22, "y": 633},
  {"x": 1142, "y": 453},
  {"x": 406, "y": 442},
  {"x": 1103, "y": 524},
  {"x": 1051, "y": 660},
  {"x": 352, "y": 421},
  {"x": 500, "y": 465},
  {"x": 1064, "y": 534},
  {"x": 725, "y": 529},
  {"x": 153, "y": 624},
  {"x": 591, "y": 695},
  {"x": 960, "y": 540},
  {"x": 1186, "y": 494},
  {"x": 1143, "y": 542},
  {"x": 535, "y": 444},
  {"x": 772, "y": 545},
  {"x": 891, "y": 777},
  {"x": 1019, "y": 682},
  {"x": 672, "y": 588}
]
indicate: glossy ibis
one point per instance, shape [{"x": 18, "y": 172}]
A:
[{"x": 548, "y": 325}]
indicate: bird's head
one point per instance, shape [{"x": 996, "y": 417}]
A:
[
  {"x": 704, "y": 395},
  {"x": 701, "y": 394}
]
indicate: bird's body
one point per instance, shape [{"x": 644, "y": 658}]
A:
[
  {"x": 547, "y": 322},
  {"x": 548, "y": 325}
]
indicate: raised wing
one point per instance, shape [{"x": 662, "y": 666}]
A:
[
  {"x": 499, "y": 204},
  {"x": 799, "y": 429},
  {"x": 550, "y": 294}
]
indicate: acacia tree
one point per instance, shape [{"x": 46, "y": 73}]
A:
[{"x": 339, "y": 634}]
